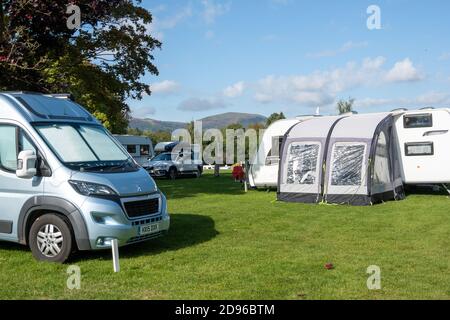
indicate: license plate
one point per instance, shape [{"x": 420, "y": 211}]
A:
[{"x": 149, "y": 229}]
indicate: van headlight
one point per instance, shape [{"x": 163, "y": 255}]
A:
[{"x": 92, "y": 189}]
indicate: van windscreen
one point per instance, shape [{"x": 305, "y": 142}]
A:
[{"x": 75, "y": 143}]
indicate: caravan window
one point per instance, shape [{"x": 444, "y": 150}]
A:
[
  {"x": 347, "y": 164},
  {"x": 273, "y": 157},
  {"x": 302, "y": 163},
  {"x": 131, "y": 148},
  {"x": 419, "y": 149},
  {"x": 145, "y": 150},
  {"x": 418, "y": 121}
]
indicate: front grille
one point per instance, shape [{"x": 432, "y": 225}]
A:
[
  {"x": 146, "y": 221},
  {"x": 136, "y": 209}
]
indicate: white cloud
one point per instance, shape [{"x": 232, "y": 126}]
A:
[
  {"x": 211, "y": 10},
  {"x": 403, "y": 71},
  {"x": 429, "y": 99},
  {"x": 235, "y": 90},
  {"x": 375, "y": 102},
  {"x": 263, "y": 98},
  {"x": 143, "y": 112},
  {"x": 319, "y": 87},
  {"x": 322, "y": 88},
  {"x": 165, "y": 87},
  {"x": 160, "y": 25},
  {"x": 172, "y": 21},
  {"x": 344, "y": 48},
  {"x": 200, "y": 104},
  {"x": 434, "y": 99},
  {"x": 313, "y": 98},
  {"x": 374, "y": 63},
  {"x": 207, "y": 10}
]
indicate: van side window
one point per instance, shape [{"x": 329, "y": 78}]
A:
[
  {"x": 25, "y": 142},
  {"x": 131, "y": 148},
  {"x": 418, "y": 121},
  {"x": 145, "y": 150},
  {"x": 8, "y": 147},
  {"x": 12, "y": 141}
]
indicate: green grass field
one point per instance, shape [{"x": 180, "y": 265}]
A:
[{"x": 225, "y": 244}]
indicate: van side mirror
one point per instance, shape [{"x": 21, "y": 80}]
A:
[{"x": 26, "y": 164}]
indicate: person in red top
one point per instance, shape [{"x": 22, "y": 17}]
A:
[{"x": 238, "y": 173}]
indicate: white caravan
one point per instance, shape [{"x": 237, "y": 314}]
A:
[
  {"x": 424, "y": 145},
  {"x": 139, "y": 147},
  {"x": 263, "y": 172}
]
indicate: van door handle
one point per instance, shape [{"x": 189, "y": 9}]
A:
[{"x": 435, "y": 133}]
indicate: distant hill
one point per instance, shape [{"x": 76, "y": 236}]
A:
[
  {"x": 218, "y": 121},
  {"x": 155, "y": 125},
  {"x": 225, "y": 119}
]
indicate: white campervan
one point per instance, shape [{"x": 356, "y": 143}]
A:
[{"x": 423, "y": 140}]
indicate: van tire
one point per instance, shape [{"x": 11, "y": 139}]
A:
[
  {"x": 172, "y": 174},
  {"x": 55, "y": 231}
]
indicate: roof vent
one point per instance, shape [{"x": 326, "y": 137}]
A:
[{"x": 67, "y": 96}]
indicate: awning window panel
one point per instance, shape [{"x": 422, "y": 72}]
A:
[
  {"x": 302, "y": 163},
  {"x": 382, "y": 176},
  {"x": 347, "y": 164}
]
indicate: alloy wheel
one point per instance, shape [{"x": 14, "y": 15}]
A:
[{"x": 50, "y": 240}]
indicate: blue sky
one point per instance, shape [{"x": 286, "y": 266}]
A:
[{"x": 264, "y": 56}]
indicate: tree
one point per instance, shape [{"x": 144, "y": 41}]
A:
[
  {"x": 159, "y": 136},
  {"x": 101, "y": 63},
  {"x": 190, "y": 127},
  {"x": 345, "y": 106},
  {"x": 274, "y": 117},
  {"x": 135, "y": 132}
]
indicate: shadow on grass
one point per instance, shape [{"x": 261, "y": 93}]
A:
[
  {"x": 12, "y": 246},
  {"x": 435, "y": 190},
  {"x": 186, "y": 230},
  {"x": 207, "y": 184}
]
